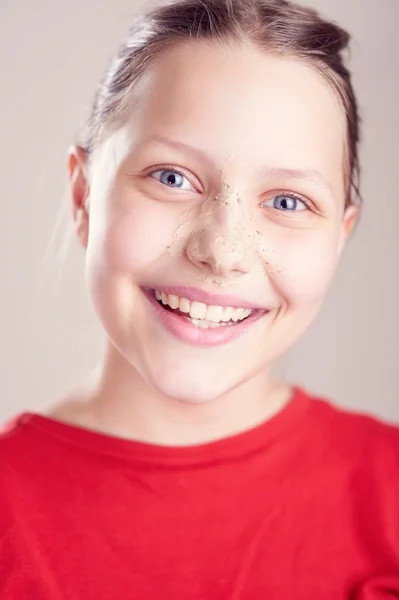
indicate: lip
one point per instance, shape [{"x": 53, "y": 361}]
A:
[
  {"x": 186, "y": 332},
  {"x": 196, "y": 295}
]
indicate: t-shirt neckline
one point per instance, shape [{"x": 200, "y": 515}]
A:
[{"x": 228, "y": 448}]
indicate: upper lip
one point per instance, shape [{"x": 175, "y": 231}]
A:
[{"x": 197, "y": 295}]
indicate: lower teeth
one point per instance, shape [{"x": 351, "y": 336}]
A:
[{"x": 202, "y": 324}]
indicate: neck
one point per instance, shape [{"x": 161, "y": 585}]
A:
[{"x": 117, "y": 401}]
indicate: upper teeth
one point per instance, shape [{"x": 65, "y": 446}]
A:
[{"x": 198, "y": 310}]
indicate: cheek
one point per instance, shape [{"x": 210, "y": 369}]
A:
[
  {"x": 131, "y": 237},
  {"x": 306, "y": 265}
]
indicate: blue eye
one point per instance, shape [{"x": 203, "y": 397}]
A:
[
  {"x": 286, "y": 203},
  {"x": 172, "y": 179}
]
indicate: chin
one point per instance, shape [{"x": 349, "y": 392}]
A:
[{"x": 189, "y": 386}]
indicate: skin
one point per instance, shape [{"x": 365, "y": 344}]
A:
[
  {"x": 238, "y": 124},
  {"x": 238, "y": 238}
]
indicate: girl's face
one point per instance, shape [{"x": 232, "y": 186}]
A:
[{"x": 224, "y": 189}]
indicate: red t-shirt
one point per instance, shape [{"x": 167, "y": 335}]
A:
[{"x": 302, "y": 507}]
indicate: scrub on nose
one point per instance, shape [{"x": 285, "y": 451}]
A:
[{"x": 223, "y": 225}]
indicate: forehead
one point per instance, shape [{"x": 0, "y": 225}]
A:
[{"x": 236, "y": 100}]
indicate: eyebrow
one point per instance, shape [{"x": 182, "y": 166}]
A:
[
  {"x": 177, "y": 145},
  {"x": 312, "y": 175}
]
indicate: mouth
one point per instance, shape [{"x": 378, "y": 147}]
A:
[
  {"x": 202, "y": 315},
  {"x": 198, "y": 323}
]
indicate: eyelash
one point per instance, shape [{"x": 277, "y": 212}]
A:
[
  {"x": 174, "y": 170},
  {"x": 288, "y": 194},
  {"x": 294, "y": 196}
]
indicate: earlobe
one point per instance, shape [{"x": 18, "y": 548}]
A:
[
  {"x": 80, "y": 190},
  {"x": 82, "y": 226},
  {"x": 350, "y": 219}
]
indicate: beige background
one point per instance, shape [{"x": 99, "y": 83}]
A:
[{"x": 52, "y": 53}]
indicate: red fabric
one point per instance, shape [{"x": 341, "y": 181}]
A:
[{"x": 303, "y": 507}]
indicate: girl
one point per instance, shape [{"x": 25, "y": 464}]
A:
[{"x": 213, "y": 190}]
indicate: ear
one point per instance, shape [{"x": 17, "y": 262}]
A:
[
  {"x": 351, "y": 217},
  {"x": 80, "y": 191}
]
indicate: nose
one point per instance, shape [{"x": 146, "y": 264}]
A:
[{"x": 222, "y": 246}]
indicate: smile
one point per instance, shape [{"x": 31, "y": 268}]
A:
[
  {"x": 202, "y": 315},
  {"x": 199, "y": 323}
]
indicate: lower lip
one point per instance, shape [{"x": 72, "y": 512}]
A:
[{"x": 185, "y": 331}]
